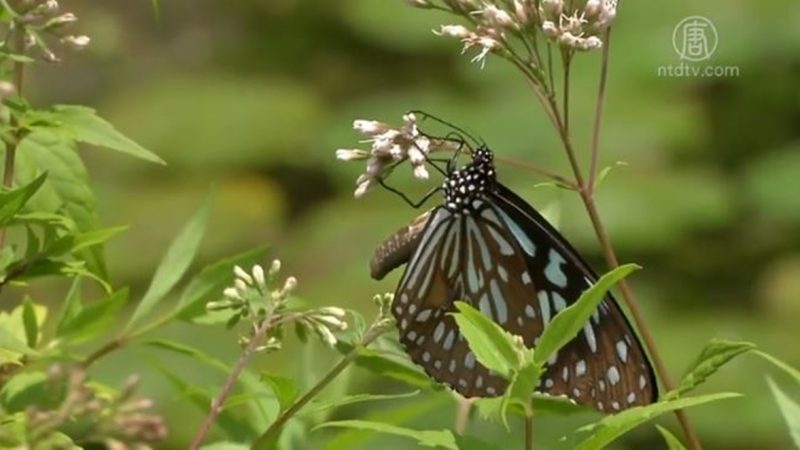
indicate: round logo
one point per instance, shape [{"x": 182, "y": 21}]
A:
[{"x": 695, "y": 38}]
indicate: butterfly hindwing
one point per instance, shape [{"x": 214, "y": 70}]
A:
[{"x": 605, "y": 365}]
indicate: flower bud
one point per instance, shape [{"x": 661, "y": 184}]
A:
[
  {"x": 242, "y": 275},
  {"x": 258, "y": 276},
  {"x": 456, "y": 31},
  {"x": 76, "y": 42}
]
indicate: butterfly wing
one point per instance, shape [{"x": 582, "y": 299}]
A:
[
  {"x": 605, "y": 365},
  {"x": 460, "y": 257}
]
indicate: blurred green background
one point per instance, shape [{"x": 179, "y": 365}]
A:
[{"x": 254, "y": 96}]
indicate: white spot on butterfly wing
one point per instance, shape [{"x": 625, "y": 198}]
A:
[
  {"x": 553, "y": 271},
  {"x": 613, "y": 375},
  {"x": 438, "y": 332},
  {"x": 580, "y": 368},
  {"x": 499, "y": 302},
  {"x": 622, "y": 350}
]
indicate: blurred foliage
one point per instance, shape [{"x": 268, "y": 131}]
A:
[{"x": 253, "y": 97}]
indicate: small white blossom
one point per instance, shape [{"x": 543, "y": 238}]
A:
[
  {"x": 76, "y": 42},
  {"x": 232, "y": 293},
  {"x": 242, "y": 274},
  {"x": 258, "y": 276},
  {"x": 62, "y": 20},
  {"x": 240, "y": 285},
  {"x": 333, "y": 311},
  {"x": 591, "y": 43},
  {"x": 522, "y": 12},
  {"x": 593, "y": 7},
  {"x": 333, "y": 321},
  {"x": 456, "y": 31},
  {"x": 369, "y": 127},
  {"x": 275, "y": 267},
  {"x": 326, "y": 335},
  {"x": 348, "y": 154},
  {"x": 495, "y": 16},
  {"x": 550, "y": 29},
  {"x": 289, "y": 285},
  {"x": 487, "y": 44}
]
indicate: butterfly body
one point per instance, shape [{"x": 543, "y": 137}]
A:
[{"x": 486, "y": 246}]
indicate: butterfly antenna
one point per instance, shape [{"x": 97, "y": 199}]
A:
[{"x": 447, "y": 124}]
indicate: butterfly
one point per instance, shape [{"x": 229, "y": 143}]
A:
[{"x": 488, "y": 247}]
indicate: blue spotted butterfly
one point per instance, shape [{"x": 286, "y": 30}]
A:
[{"x": 488, "y": 247}]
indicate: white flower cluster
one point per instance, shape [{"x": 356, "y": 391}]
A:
[
  {"x": 46, "y": 16},
  {"x": 389, "y": 145},
  {"x": 324, "y": 321},
  {"x": 578, "y": 28}
]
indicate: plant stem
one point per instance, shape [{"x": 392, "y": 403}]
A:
[
  {"x": 274, "y": 428},
  {"x": 462, "y": 415},
  {"x": 528, "y": 430},
  {"x": 598, "y": 113},
  {"x": 587, "y": 196},
  {"x": 230, "y": 382},
  {"x": 11, "y": 147}
]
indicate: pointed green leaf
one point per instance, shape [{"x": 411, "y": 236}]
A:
[
  {"x": 174, "y": 263},
  {"x": 11, "y": 343},
  {"x": 386, "y": 366},
  {"x": 791, "y": 371},
  {"x": 84, "y": 125},
  {"x": 426, "y": 438},
  {"x": 493, "y": 347},
  {"x": 78, "y": 242},
  {"x": 12, "y": 202},
  {"x": 789, "y": 409},
  {"x": 610, "y": 428},
  {"x": 570, "y": 321},
  {"x": 338, "y": 402},
  {"x": 716, "y": 354},
  {"x": 672, "y": 442}
]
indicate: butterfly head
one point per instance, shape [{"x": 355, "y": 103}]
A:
[{"x": 464, "y": 188}]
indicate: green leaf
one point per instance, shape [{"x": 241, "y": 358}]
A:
[
  {"x": 30, "y": 322},
  {"x": 67, "y": 189},
  {"x": 493, "y": 347},
  {"x": 791, "y": 371},
  {"x": 672, "y": 442},
  {"x": 557, "y": 406},
  {"x": 6, "y": 257},
  {"x": 386, "y": 366},
  {"x": 84, "y": 125},
  {"x": 13, "y": 201},
  {"x": 612, "y": 427},
  {"x": 210, "y": 282},
  {"x": 789, "y": 409},
  {"x": 285, "y": 389},
  {"x": 353, "y": 399},
  {"x": 427, "y": 438},
  {"x": 93, "y": 320},
  {"x": 12, "y": 344},
  {"x": 174, "y": 263},
  {"x": 72, "y": 304},
  {"x": 569, "y": 322},
  {"x": 716, "y": 354},
  {"x": 76, "y": 243},
  {"x": 21, "y": 390}
]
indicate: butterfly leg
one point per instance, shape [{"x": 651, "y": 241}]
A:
[{"x": 402, "y": 195}]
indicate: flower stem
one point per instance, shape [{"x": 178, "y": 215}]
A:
[
  {"x": 11, "y": 147},
  {"x": 587, "y": 196},
  {"x": 528, "y": 430},
  {"x": 274, "y": 429},
  {"x": 230, "y": 382}
]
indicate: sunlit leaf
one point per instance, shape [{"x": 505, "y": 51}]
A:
[
  {"x": 385, "y": 366},
  {"x": 493, "y": 347},
  {"x": 791, "y": 371},
  {"x": 612, "y": 427}
]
